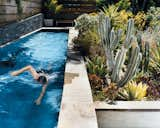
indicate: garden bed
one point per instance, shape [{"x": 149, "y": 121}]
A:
[{"x": 122, "y": 50}]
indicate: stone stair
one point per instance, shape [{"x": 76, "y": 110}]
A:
[{"x": 72, "y": 9}]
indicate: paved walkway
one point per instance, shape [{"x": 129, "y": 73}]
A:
[{"x": 77, "y": 109}]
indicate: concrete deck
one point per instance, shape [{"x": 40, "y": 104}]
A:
[{"x": 77, "y": 108}]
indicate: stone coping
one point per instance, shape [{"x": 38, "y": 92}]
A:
[
  {"x": 128, "y": 105},
  {"x": 77, "y": 108}
]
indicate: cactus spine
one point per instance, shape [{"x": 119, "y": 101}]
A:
[{"x": 115, "y": 62}]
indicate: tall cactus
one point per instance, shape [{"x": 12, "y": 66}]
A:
[
  {"x": 145, "y": 53},
  {"x": 115, "y": 62}
]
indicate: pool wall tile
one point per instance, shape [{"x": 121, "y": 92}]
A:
[{"x": 15, "y": 30}]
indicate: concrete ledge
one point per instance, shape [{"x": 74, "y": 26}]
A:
[
  {"x": 77, "y": 109},
  {"x": 128, "y": 105}
]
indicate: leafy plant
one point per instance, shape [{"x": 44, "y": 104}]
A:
[
  {"x": 153, "y": 90},
  {"x": 111, "y": 92},
  {"x": 120, "y": 73},
  {"x": 133, "y": 91},
  {"x": 140, "y": 20},
  {"x": 53, "y": 7},
  {"x": 96, "y": 85},
  {"x": 96, "y": 66},
  {"x": 100, "y": 3},
  {"x": 123, "y": 4},
  {"x": 118, "y": 18},
  {"x": 153, "y": 16},
  {"x": 96, "y": 82},
  {"x": 88, "y": 35},
  {"x": 155, "y": 58}
]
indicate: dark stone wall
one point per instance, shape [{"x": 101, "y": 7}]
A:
[{"x": 15, "y": 30}]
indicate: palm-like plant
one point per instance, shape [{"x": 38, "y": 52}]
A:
[{"x": 53, "y": 7}]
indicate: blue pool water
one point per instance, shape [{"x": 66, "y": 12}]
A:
[{"x": 42, "y": 50}]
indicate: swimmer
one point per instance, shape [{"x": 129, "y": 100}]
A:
[{"x": 38, "y": 76}]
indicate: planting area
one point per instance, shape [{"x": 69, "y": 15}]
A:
[{"x": 121, "y": 46}]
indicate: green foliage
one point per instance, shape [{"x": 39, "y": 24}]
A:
[
  {"x": 53, "y": 6},
  {"x": 118, "y": 18},
  {"x": 124, "y": 4},
  {"x": 88, "y": 35},
  {"x": 96, "y": 66},
  {"x": 155, "y": 58},
  {"x": 133, "y": 91},
  {"x": 120, "y": 73},
  {"x": 153, "y": 16},
  {"x": 86, "y": 22},
  {"x": 140, "y": 20},
  {"x": 100, "y": 3}
]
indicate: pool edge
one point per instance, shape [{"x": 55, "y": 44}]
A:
[{"x": 77, "y": 109}]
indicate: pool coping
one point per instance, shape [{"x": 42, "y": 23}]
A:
[
  {"x": 37, "y": 30},
  {"x": 77, "y": 108}
]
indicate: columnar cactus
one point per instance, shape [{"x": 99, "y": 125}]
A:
[
  {"x": 115, "y": 62},
  {"x": 145, "y": 50}
]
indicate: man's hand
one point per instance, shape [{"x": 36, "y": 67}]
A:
[{"x": 38, "y": 101}]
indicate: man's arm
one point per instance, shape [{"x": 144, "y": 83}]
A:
[
  {"x": 27, "y": 68},
  {"x": 38, "y": 101}
]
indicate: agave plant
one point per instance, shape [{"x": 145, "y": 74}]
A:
[
  {"x": 96, "y": 66},
  {"x": 133, "y": 91},
  {"x": 155, "y": 58}
]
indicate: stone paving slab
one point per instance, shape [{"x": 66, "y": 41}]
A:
[{"x": 77, "y": 108}]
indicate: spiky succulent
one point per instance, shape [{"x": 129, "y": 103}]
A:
[{"x": 133, "y": 91}]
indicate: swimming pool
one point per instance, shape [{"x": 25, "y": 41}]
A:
[{"x": 42, "y": 50}]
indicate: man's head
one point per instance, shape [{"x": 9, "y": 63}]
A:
[{"x": 42, "y": 79}]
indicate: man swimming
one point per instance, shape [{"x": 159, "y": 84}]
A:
[{"x": 38, "y": 76}]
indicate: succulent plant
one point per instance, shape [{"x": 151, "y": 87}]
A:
[
  {"x": 96, "y": 66},
  {"x": 118, "y": 18},
  {"x": 145, "y": 50},
  {"x": 116, "y": 61},
  {"x": 133, "y": 91},
  {"x": 96, "y": 82},
  {"x": 153, "y": 16},
  {"x": 111, "y": 92},
  {"x": 155, "y": 58}
]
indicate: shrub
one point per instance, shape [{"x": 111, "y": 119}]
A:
[
  {"x": 96, "y": 66},
  {"x": 133, "y": 91},
  {"x": 153, "y": 16},
  {"x": 140, "y": 20},
  {"x": 118, "y": 18},
  {"x": 88, "y": 35}
]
